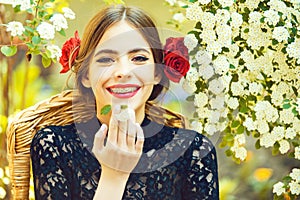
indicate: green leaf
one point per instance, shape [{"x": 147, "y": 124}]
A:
[
  {"x": 62, "y": 32},
  {"x": 190, "y": 98},
  {"x": 286, "y": 106},
  {"x": 46, "y": 61},
  {"x": 257, "y": 144},
  {"x": 240, "y": 129},
  {"x": 105, "y": 109},
  {"x": 235, "y": 123},
  {"x": 36, "y": 40},
  {"x": 9, "y": 50}
]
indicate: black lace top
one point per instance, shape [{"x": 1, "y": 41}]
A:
[{"x": 175, "y": 164}]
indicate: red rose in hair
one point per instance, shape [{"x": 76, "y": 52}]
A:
[
  {"x": 70, "y": 51},
  {"x": 176, "y": 59}
]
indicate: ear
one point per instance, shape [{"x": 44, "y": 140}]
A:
[
  {"x": 86, "y": 81},
  {"x": 157, "y": 78}
]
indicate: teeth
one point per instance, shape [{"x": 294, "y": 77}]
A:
[{"x": 123, "y": 90}]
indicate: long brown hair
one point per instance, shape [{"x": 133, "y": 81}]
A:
[{"x": 94, "y": 32}]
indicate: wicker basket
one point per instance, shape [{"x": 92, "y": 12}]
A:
[{"x": 57, "y": 110}]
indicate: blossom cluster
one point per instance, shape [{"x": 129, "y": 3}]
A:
[
  {"x": 245, "y": 72},
  {"x": 293, "y": 186},
  {"x": 39, "y": 32}
]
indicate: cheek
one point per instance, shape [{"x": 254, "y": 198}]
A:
[{"x": 145, "y": 73}]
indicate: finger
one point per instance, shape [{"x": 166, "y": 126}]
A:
[
  {"x": 131, "y": 135},
  {"x": 113, "y": 126},
  {"x": 99, "y": 138},
  {"x": 140, "y": 139},
  {"x": 122, "y": 134}
]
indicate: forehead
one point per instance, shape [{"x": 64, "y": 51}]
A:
[{"x": 122, "y": 37}]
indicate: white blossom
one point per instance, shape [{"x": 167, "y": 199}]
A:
[
  {"x": 237, "y": 88},
  {"x": 55, "y": 51},
  {"x": 280, "y": 33},
  {"x": 206, "y": 71},
  {"x": 249, "y": 124},
  {"x": 226, "y": 3},
  {"x": 278, "y": 188},
  {"x": 16, "y": 28},
  {"x": 290, "y": 133},
  {"x": 190, "y": 41},
  {"x": 221, "y": 65},
  {"x": 286, "y": 116},
  {"x": 295, "y": 174},
  {"x": 179, "y": 17},
  {"x": 171, "y": 2},
  {"x": 294, "y": 187},
  {"x": 218, "y": 102},
  {"x": 284, "y": 146},
  {"x": 215, "y": 86},
  {"x": 68, "y": 13},
  {"x": 214, "y": 47},
  {"x": 193, "y": 12},
  {"x": 24, "y": 4},
  {"x": 189, "y": 86},
  {"x": 46, "y": 31},
  {"x": 201, "y": 99},
  {"x": 239, "y": 152},
  {"x": 297, "y": 153},
  {"x": 267, "y": 140},
  {"x": 298, "y": 105},
  {"x": 203, "y": 58},
  {"x": 204, "y": 2},
  {"x": 236, "y": 19},
  {"x": 59, "y": 22},
  {"x": 232, "y": 103},
  {"x": 255, "y": 88},
  {"x": 210, "y": 129},
  {"x": 271, "y": 17},
  {"x": 197, "y": 126}
]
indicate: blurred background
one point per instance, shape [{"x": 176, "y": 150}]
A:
[{"x": 24, "y": 84}]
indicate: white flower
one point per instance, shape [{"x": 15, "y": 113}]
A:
[
  {"x": 254, "y": 17},
  {"x": 208, "y": 20},
  {"x": 249, "y": 124},
  {"x": 290, "y": 133},
  {"x": 226, "y": 3},
  {"x": 298, "y": 105},
  {"x": 217, "y": 103},
  {"x": 255, "y": 88},
  {"x": 214, "y": 48},
  {"x": 278, "y": 133},
  {"x": 201, "y": 99},
  {"x": 197, "y": 126},
  {"x": 236, "y": 20},
  {"x": 286, "y": 116},
  {"x": 203, "y": 57},
  {"x": 216, "y": 86},
  {"x": 271, "y": 17},
  {"x": 24, "y": 4},
  {"x": 192, "y": 75},
  {"x": 284, "y": 146},
  {"x": 297, "y": 153},
  {"x": 206, "y": 71},
  {"x": 204, "y": 2},
  {"x": 294, "y": 187},
  {"x": 280, "y": 33},
  {"x": 210, "y": 129},
  {"x": 203, "y": 112},
  {"x": 267, "y": 140},
  {"x": 189, "y": 86},
  {"x": 68, "y": 13},
  {"x": 295, "y": 174},
  {"x": 46, "y": 31},
  {"x": 59, "y": 22},
  {"x": 239, "y": 140},
  {"x": 221, "y": 65},
  {"x": 239, "y": 152},
  {"x": 193, "y": 12},
  {"x": 190, "y": 41},
  {"x": 55, "y": 51},
  {"x": 237, "y": 88},
  {"x": 233, "y": 103},
  {"x": 278, "y": 188},
  {"x": 16, "y": 28},
  {"x": 293, "y": 49},
  {"x": 179, "y": 17}
]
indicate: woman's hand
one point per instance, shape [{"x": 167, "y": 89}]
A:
[{"x": 124, "y": 143}]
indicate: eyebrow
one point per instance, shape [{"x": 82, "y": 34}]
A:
[{"x": 110, "y": 51}]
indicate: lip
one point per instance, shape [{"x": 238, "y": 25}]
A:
[{"x": 123, "y": 86}]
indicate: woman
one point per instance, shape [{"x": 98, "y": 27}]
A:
[{"x": 131, "y": 157}]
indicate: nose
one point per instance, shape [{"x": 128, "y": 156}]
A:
[{"x": 123, "y": 71}]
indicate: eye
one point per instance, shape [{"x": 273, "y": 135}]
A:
[
  {"x": 105, "y": 60},
  {"x": 140, "y": 59}
]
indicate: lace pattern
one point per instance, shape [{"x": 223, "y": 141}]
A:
[{"x": 176, "y": 164}]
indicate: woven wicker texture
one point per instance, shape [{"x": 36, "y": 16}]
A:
[{"x": 57, "y": 110}]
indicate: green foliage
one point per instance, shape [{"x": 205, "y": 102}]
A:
[{"x": 9, "y": 50}]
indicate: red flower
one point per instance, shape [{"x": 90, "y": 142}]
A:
[
  {"x": 176, "y": 59},
  {"x": 70, "y": 51}
]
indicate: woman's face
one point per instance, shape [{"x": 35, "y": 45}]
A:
[{"x": 122, "y": 70}]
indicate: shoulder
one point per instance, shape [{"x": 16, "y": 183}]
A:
[{"x": 54, "y": 135}]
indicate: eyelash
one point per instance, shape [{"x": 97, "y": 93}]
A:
[
  {"x": 105, "y": 60},
  {"x": 140, "y": 59}
]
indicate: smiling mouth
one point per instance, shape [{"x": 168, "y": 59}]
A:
[{"x": 123, "y": 91}]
